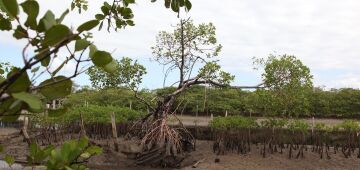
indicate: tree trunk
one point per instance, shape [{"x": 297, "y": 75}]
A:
[
  {"x": 83, "y": 131},
  {"x": 24, "y": 130},
  {"x": 114, "y": 131}
]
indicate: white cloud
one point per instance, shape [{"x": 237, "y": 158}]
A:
[{"x": 324, "y": 34}]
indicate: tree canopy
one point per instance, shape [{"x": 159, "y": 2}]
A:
[
  {"x": 46, "y": 36},
  {"x": 288, "y": 82},
  {"x": 127, "y": 74}
]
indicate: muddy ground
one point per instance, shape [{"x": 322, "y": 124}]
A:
[
  {"x": 232, "y": 161},
  {"x": 14, "y": 145}
]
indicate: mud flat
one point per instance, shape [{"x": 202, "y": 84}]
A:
[{"x": 110, "y": 159}]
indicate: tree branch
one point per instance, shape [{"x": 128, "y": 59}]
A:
[{"x": 5, "y": 84}]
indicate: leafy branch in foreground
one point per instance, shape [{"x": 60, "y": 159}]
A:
[
  {"x": 48, "y": 39},
  {"x": 71, "y": 155}
]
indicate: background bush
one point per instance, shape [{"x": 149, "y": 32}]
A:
[{"x": 336, "y": 103}]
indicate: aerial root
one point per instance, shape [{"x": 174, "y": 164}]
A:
[{"x": 161, "y": 144}]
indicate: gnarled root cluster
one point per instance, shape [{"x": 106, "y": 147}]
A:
[{"x": 162, "y": 144}]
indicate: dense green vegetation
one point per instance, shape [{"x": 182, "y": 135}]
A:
[
  {"x": 236, "y": 133},
  {"x": 238, "y": 122},
  {"x": 341, "y": 103},
  {"x": 91, "y": 114},
  {"x": 288, "y": 82},
  {"x": 109, "y": 97}
]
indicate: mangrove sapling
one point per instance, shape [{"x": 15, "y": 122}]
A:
[
  {"x": 232, "y": 133},
  {"x": 185, "y": 49},
  {"x": 351, "y": 128},
  {"x": 275, "y": 126},
  {"x": 299, "y": 130},
  {"x": 321, "y": 139}
]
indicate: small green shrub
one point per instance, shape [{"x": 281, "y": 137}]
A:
[
  {"x": 349, "y": 125},
  {"x": 70, "y": 156},
  {"x": 299, "y": 126},
  {"x": 274, "y": 123}
]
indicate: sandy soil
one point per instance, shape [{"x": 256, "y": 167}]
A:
[
  {"x": 204, "y": 120},
  {"x": 7, "y": 131}
]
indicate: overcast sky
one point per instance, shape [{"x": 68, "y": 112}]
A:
[{"x": 324, "y": 34}]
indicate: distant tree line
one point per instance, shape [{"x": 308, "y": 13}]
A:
[{"x": 337, "y": 103}]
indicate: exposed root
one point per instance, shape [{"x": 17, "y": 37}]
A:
[{"x": 162, "y": 145}]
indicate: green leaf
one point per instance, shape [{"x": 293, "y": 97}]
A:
[
  {"x": 107, "y": 5},
  {"x": 81, "y": 44},
  {"x": 119, "y": 23},
  {"x": 38, "y": 155},
  {"x": 1, "y": 148},
  {"x": 181, "y": 3},
  {"x": 45, "y": 62},
  {"x": 88, "y": 25},
  {"x": 11, "y": 7},
  {"x": 101, "y": 58},
  {"x": 127, "y": 13},
  {"x": 93, "y": 150},
  {"x": 47, "y": 150},
  {"x": 59, "y": 68},
  {"x": 56, "y": 34},
  {"x": 10, "y": 109},
  {"x": 188, "y": 5},
  {"x": 33, "y": 101},
  {"x": 85, "y": 155},
  {"x": 56, "y": 112},
  {"x": 7, "y": 108},
  {"x": 47, "y": 21},
  {"x": 10, "y": 118},
  {"x": 34, "y": 148},
  {"x": 20, "y": 33},
  {"x": 175, "y": 5},
  {"x": 99, "y": 16},
  {"x": 72, "y": 5},
  {"x": 111, "y": 67},
  {"x": 56, "y": 87},
  {"x": 34, "y": 70},
  {"x": 5, "y": 24},
  {"x": 167, "y": 3},
  {"x": 35, "y": 151},
  {"x": 130, "y": 1},
  {"x": 31, "y": 8},
  {"x": 59, "y": 20},
  {"x": 35, "y": 41},
  {"x": 9, "y": 160},
  {"x": 130, "y": 22},
  {"x": 83, "y": 142},
  {"x": 92, "y": 50},
  {"x": 2, "y": 6},
  {"x": 105, "y": 10},
  {"x": 20, "y": 84}
]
